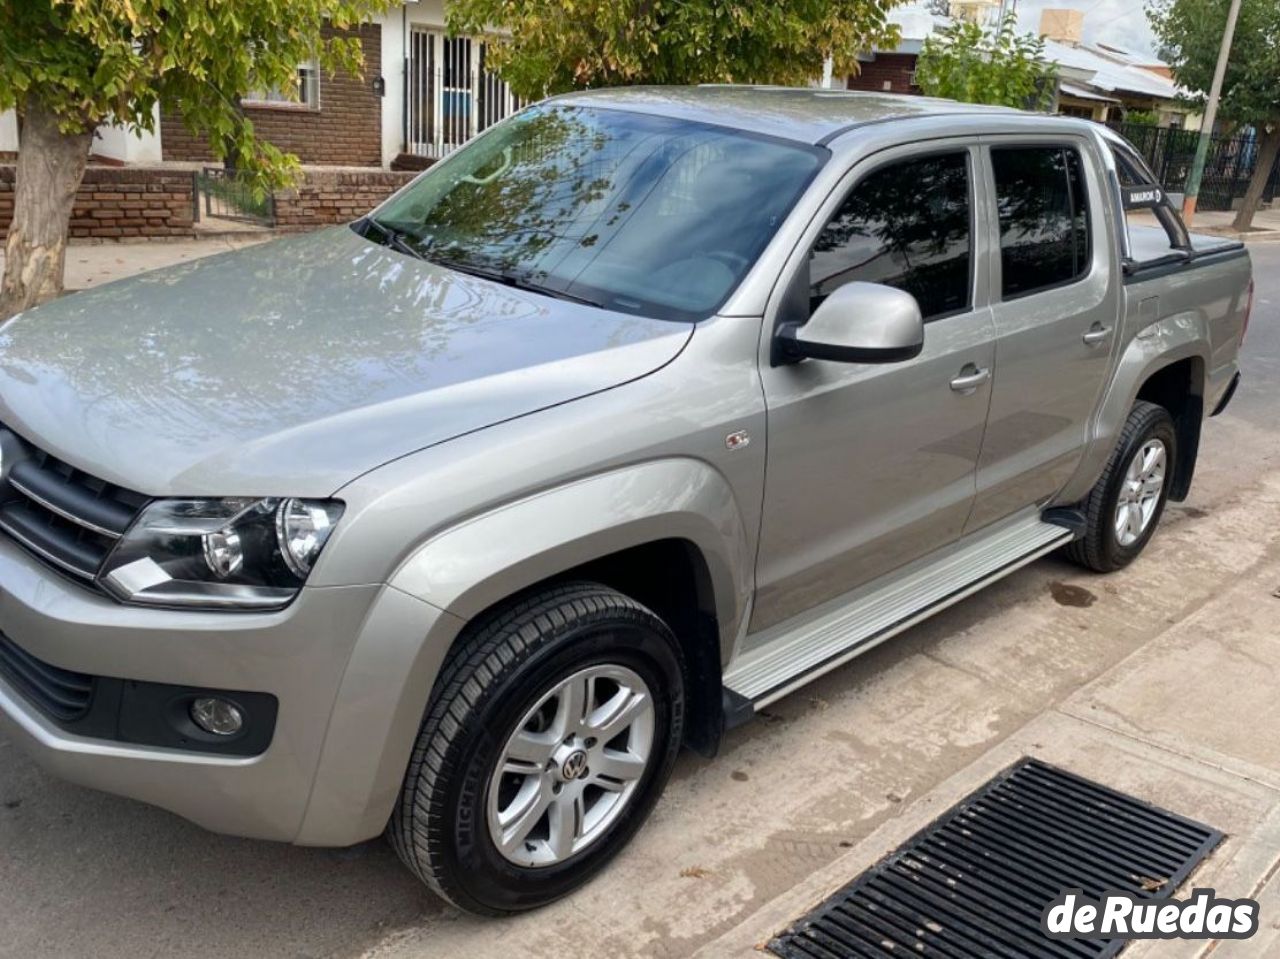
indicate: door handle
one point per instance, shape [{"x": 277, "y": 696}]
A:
[
  {"x": 1096, "y": 335},
  {"x": 968, "y": 382}
]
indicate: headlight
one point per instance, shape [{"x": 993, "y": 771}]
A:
[{"x": 222, "y": 553}]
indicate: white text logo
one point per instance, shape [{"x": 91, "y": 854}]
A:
[{"x": 1122, "y": 915}]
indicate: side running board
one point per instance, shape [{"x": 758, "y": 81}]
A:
[{"x": 838, "y": 631}]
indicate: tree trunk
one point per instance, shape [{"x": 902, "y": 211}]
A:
[
  {"x": 1268, "y": 150},
  {"x": 50, "y": 166}
]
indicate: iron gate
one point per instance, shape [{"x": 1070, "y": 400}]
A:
[
  {"x": 451, "y": 94},
  {"x": 1227, "y": 170}
]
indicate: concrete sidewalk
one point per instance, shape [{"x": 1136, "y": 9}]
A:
[
  {"x": 92, "y": 264},
  {"x": 1266, "y": 224}
]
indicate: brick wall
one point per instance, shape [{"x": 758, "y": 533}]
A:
[
  {"x": 345, "y": 131},
  {"x": 335, "y": 196},
  {"x": 121, "y": 202},
  {"x": 892, "y": 68}
]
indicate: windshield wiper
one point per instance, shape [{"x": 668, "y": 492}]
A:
[
  {"x": 396, "y": 239},
  {"x": 513, "y": 280}
]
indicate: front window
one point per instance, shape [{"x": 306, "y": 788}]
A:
[
  {"x": 641, "y": 214},
  {"x": 305, "y": 95},
  {"x": 905, "y": 225}
]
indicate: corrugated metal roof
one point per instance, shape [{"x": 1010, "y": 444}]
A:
[
  {"x": 1082, "y": 93},
  {"x": 1107, "y": 74}
]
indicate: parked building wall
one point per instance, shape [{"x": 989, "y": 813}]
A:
[
  {"x": 344, "y": 128},
  {"x": 887, "y": 73},
  {"x": 334, "y": 196},
  {"x": 122, "y": 202}
]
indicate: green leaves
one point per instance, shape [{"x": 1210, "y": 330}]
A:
[
  {"x": 552, "y": 46},
  {"x": 1190, "y": 33},
  {"x": 90, "y": 61},
  {"x": 1001, "y": 66}
]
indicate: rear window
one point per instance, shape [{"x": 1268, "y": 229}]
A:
[{"x": 1043, "y": 205}]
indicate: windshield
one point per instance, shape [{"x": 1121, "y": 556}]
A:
[{"x": 636, "y": 213}]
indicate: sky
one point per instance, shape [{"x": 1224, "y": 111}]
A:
[{"x": 1119, "y": 22}]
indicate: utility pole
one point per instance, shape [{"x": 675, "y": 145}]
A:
[{"x": 1210, "y": 116}]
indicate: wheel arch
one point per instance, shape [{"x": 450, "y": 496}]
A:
[
  {"x": 1178, "y": 387},
  {"x": 666, "y": 533},
  {"x": 1166, "y": 364}
]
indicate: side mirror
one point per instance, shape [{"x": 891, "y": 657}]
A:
[{"x": 858, "y": 323}]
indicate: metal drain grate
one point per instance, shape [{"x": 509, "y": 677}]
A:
[{"x": 975, "y": 882}]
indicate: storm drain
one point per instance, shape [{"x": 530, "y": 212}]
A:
[{"x": 976, "y": 881}]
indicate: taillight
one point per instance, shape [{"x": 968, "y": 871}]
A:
[{"x": 1248, "y": 309}]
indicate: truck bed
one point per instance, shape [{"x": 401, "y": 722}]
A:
[{"x": 1150, "y": 249}]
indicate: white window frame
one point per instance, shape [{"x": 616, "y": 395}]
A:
[{"x": 307, "y": 92}]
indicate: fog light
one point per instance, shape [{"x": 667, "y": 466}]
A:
[{"x": 217, "y": 716}]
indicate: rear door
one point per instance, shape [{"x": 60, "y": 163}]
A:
[
  {"x": 872, "y": 465},
  {"x": 1054, "y": 285}
]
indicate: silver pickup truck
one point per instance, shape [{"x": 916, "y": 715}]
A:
[{"x": 627, "y": 419}]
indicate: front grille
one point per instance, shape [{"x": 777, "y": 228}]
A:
[
  {"x": 63, "y": 695},
  {"x": 68, "y": 518}
]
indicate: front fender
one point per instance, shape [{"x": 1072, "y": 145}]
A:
[{"x": 467, "y": 568}]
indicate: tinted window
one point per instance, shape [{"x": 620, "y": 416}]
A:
[
  {"x": 1044, "y": 217},
  {"x": 906, "y": 226},
  {"x": 643, "y": 214}
]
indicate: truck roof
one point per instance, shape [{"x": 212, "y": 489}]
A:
[{"x": 810, "y": 115}]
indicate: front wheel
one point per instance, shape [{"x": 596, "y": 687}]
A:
[
  {"x": 1125, "y": 505},
  {"x": 552, "y": 732}
]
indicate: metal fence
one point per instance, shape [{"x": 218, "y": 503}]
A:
[
  {"x": 1228, "y": 168},
  {"x": 228, "y": 196},
  {"x": 450, "y": 93}
]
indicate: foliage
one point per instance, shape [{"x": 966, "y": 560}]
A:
[
  {"x": 1000, "y": 66},
  {"x": 90, "y": 61},
  {"x": 1146, "y": 118},
  {"x": 1190, "y": 33},
  {"x": 558, "y": 45}
]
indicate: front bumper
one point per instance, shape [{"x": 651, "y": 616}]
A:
[{"x": 316, "y": 657}]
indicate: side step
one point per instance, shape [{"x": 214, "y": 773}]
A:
[{"x": 841, "y": 630}]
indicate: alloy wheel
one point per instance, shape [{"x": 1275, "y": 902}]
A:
[
  {"x": 571, "y": 766},
  {"x": 1140, "y": 492}
]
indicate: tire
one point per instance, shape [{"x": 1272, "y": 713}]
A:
[
  {"x": 503, "y": 676},
  {"x": 1105, "y": 548}
]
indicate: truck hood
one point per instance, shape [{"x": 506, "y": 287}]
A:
[{"x": 293, "y": 367}]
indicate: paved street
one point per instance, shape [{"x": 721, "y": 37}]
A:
[{"x": 1159, "y": 680}]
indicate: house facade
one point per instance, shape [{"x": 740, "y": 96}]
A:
[
  {"x": 1095, "y": 81},
  {"x": 422, "y": 94}
]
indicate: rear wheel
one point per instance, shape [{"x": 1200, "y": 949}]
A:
[
  {"x": 552, "y": 731},
  {"x": 1125, "y": 505}
]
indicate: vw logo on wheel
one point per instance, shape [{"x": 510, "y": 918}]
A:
[{"x": 574, "y": 766}]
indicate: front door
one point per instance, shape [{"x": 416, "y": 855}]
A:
[
  {"x": 1055, "y": 318},
  {"x": 871, "y": 466}
]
